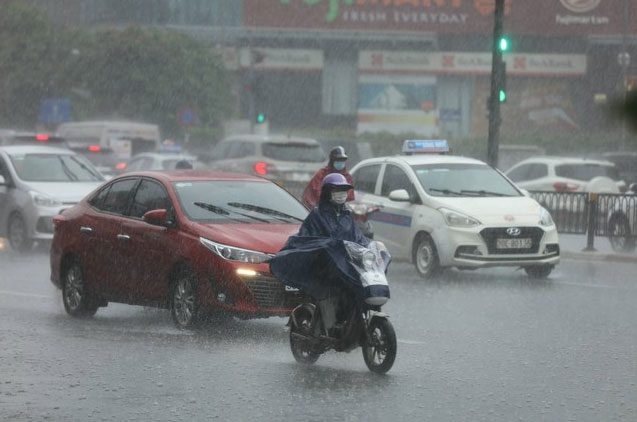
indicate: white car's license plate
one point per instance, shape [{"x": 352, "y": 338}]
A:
[
  {"x": 300, "y": 177},
  {"x": 513, "y": 243}
]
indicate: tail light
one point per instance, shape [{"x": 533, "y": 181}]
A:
[
  {"x": 121, "y": 166},
  {"x": 262, "y": 168},
  {"x": 94, "y": 148},
  {"x": 565, "y": 187},
  {"x": 42, "y": 137}
]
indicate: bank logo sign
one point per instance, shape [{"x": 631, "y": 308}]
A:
[{"x": 580, "y": 6}]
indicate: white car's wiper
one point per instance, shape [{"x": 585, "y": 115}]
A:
[
  {"x": 263, "y": 210},
  {"x": 222, "y": 211},
  {"x": 482, "y": 192},
  {"x": 445, "y": 191}
]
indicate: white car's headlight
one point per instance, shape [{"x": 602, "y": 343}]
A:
[
  {"x": 457, "y": 219},
  {"x": 232, "y": 253},
  {"x": 42, "y": 200},
  {"x": 545, "y": 218}
]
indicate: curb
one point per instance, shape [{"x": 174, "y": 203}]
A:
[{"x": 597, "y": 256}]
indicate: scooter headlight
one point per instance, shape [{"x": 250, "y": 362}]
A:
[{"x": 369, "y": 260}]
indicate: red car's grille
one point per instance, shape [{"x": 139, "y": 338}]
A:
[{"x": 270, "y": 293}]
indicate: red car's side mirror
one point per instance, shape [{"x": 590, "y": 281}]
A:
[{"x": 156, "y": 217}]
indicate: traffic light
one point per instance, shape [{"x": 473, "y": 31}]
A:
[
  {"x": 504, "y": 44},
  {"x": 260, "y": 118},
  {"x": 502, "y": 79}
]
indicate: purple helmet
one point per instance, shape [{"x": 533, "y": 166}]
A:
[{"x": 337, "y": 180}]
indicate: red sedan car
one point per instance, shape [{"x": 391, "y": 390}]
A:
[{"x": 191, "y": 241}]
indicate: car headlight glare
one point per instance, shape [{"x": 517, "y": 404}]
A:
[
  {"x": 42, "y": 200},
  {"x": 232, "y": 253},
  {"x": 545, "y": 218},
  {"x": 457, "y": 219}
]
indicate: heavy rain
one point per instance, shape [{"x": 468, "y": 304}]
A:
[{"x": 348, "y": 210}]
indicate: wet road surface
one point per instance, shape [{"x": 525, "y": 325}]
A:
[{"x": 488, "y": 345}]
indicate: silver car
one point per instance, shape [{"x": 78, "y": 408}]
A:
[{"x": 37, "y": 183}]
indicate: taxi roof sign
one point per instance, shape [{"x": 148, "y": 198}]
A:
[{"x": 426, "y": 146}]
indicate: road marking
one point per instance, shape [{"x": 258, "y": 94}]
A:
[
  {"x": 414, "y": 342},
  {"x": 10, "y": 293},
  {"x": 596, "y": 286}
]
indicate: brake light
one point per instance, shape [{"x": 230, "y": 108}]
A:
[
  {"x": 94, "y": 148},
  {"x": 42, "y": 137},
  {"x": 565, "y": 187},
  {"x": 261, "y": 168},
  {"x": 121, "y": 166}
]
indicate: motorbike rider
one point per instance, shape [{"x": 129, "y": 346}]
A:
[
  {"x": 336, "y": 164},
  {"x": 332, "y": 219}
]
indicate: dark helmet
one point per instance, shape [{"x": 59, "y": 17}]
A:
[
  {"x": 336, "y": 180},
  {"x": 337, "y": 153}
]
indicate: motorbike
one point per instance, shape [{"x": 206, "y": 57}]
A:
[
  {"x": 313, "y": 329},
  {"x": 361, "y": 213}
]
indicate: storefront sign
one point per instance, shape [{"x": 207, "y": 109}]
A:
[
  {"x": 281, "y": 58},
  {"x": 540, "y": 17},
  {"x": 385, "y": 61}
]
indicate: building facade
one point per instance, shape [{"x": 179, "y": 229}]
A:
[{"x": 403, "y": 65}]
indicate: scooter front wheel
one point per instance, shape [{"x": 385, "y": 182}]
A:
[
  {"x": 379, "y": 351},
  {"x": 301, "y": 348}
]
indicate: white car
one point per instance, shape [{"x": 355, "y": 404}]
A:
[
  {"x": 37, "y": 183},
  {"x": 566, "y": 174},
  {"x": 441, "y": 211},
  {"x": 152, "y": 161}
]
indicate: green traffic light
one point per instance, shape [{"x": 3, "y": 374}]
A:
[
  {"x": 504, "y": 44},
  {"x": 260, "y": 117},
  {"x": 503, "y": 96}
]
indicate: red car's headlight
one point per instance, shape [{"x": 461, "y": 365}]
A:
[{"x": 232, "y": 253}]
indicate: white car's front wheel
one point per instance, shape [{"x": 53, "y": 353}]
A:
[{"x": 425, "y": 256}]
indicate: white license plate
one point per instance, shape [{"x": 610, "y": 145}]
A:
[
  {"x": 291, "y": 289},
  {"x": 513, "y": 243}
]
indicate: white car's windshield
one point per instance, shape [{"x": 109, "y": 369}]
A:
[
  {"x": 463, "y": 180},
  {"x": 54, "y": 168}
]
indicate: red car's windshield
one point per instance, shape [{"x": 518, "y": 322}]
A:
[{"x": 238, "y": 201}]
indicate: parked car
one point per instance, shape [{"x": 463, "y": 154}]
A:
[
  {"x": 290, "y": 161},
  {"x": 191, "y": 241},
  {"x": 441, "y": 211},
  {"x": 37, "y": 183},
  {"x": 626, "y": 163},
  {"x": 161, "y": 161},
  {"x": 566, "y": 174}
]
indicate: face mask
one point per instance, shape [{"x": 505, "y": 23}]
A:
[
  {"x": 339, "y": 197},
  {"x": 339, "y": 165}
]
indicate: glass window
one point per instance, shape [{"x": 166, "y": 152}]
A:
[
  {"x": 3, "y": 170},
  {"x": 365, "y": 178},
  {"x": 537, "y": 171},
  {"x": 149, "y": 196},
  {"x": 54, "y": 168},
  {"x": 239, "y": 202},
  {"x": 118, "y": 196},
  {"x": 519, "y": 174},
  {"x": 466, "y": 180},
  {"x": 235, "y": 150},
  {"x": 141, "y": 163},
  {"x": 395, "y": 178},
  {"x": 585, "y": 172},
  {"x": 294, "y": 151},
  {"x": 221, "y": 150},
  {"x": 98, "y": 199}
]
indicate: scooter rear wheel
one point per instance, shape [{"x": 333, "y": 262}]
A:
[
  {"x": 379, "y": 351},
  {"x": 302, "y": 349}
]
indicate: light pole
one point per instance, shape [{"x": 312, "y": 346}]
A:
[
  {"x": 496, "y": 84},
  {"x": 624, "y": 62}
]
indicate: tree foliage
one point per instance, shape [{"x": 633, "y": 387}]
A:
[{"x": 146, "y": 74}]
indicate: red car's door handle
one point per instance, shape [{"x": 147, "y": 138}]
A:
[
  {"x": 85, "y": 229},
  {"x": 123, "y": 237}
]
